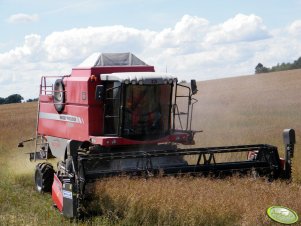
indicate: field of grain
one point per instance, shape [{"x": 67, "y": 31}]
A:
[
  {"x": 249, "y": 110},
  {"x": 242, "y": 110}
]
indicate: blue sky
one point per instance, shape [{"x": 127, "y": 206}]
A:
[
  {"x": 201, "y": 39},
  {"x": 155, "y": 14}
]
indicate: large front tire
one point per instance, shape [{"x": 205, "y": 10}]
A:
[{"x": 44, "y": 177}]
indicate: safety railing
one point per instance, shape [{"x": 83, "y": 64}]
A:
[{"x": 45, "y": 88}]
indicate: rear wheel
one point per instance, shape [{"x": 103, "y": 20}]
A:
[{"x": 44, "y": 177}]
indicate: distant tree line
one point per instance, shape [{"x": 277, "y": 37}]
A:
[
  {"x": 14, "y": 98},
  {"x": 279, "y": 67},
  {"x": 32, "y": 100}
]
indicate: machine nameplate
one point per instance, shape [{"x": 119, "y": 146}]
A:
[{"x": 67, "y": 194}]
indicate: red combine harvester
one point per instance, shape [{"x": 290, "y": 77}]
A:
[{"x": 114, "y": 115}]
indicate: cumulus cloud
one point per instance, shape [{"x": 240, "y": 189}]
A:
[
  {"x": 295, "y": 28},
  {"x": 77, "y": 43},
  {"x": 22, "y": 18},
  {"x": 190, "y": 29},
  {"x": 192, "y": 48},
  {"x": 25, "y": 53},
  {"x": 237, "y": 29}
]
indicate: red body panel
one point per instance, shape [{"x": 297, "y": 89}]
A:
[
  {"x": 119, "y": 141},
  {"x": 82, "y": 118},
  {"x": 57, "y": 195},
  {"x": 54, "y": 124}
]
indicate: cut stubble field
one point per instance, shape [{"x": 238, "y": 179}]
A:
[{"x": 242, "y": 110}]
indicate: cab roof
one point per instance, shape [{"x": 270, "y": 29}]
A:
[{"x": 140, "y": 77}]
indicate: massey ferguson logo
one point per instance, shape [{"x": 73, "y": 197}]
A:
[
  {"x": 68, "y": 118},
  {"x": 61, "y": 117}
]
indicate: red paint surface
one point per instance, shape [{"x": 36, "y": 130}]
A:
[
  {"x": 57, "y": 195},
  {"x": 119, "y": 141},
  {"x": 80, "y": 102}
]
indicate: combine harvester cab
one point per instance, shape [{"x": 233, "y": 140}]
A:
[{"x": 114, "y": 115}]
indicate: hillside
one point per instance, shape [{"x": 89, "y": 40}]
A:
[
  {"x": 240, "y": 110},
  {"x": 250, "y": 109}
]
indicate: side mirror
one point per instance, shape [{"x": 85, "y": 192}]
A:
[
  {"x": 194, "y": 88},
  {"x": 99, "y": 92},
  {"x": 289, "y": 136}
]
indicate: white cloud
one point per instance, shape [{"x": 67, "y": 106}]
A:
[
  {"x": 190, "y": 29},
  {"x": 25, "y": 53},
  {"x": 237, "y": 29},
  {"x": 295, "y": 28},
  {"x": 192, "y": 48},
  {"x": 78, "y": 43},
  {"x": 22, "y": 18}
]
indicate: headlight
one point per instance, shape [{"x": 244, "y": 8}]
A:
[{"x": 126, "y": 81}]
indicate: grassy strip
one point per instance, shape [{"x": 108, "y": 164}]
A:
[{"x": 20, "y": 204}]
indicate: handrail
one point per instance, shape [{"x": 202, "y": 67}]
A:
[
  {"x": 46, "y": 89},
  {"x": 176, "y": 111}
]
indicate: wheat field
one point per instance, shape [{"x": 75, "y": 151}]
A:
[{"x": 233, "y": 111}]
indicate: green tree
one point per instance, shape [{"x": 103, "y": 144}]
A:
[
  {"x": 297, "y": 63},
  {"x": 279, "y": 67},
  {"x": 261, "y": 69},
  {"x": 14, "y": 98},
  {"x": 32, "y": 100}
]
